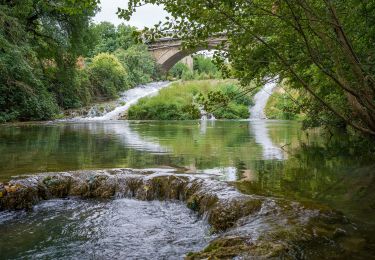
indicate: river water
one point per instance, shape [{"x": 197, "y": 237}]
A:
[
  {"x": 265, "y": 157},
  {"x": 118, "y": 229}
]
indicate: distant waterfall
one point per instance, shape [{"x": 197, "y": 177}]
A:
[
  {"x": 259, "y": 128},
  {"x": 206, "y": 116},
  {"x": 261, "y": 99}
]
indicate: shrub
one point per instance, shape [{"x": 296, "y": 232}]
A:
[
  {"x": 281, "y": 106},
  {"x": 205, "y": 65},
  {"x": 187, "y": 75},
  {"x": 139, "y": 63},
  {"x": 107, "y": 75},
  {"x": 178, "y": 70}
]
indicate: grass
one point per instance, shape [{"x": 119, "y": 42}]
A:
[{"x": 181, "y": 101}]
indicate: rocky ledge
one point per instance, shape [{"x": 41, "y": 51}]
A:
[{"x": 248, "y": 226}]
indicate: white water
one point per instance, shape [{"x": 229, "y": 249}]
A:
[
  {"x": 206, "y": 116},
  {"x": 258, "y": 127},
  {"x": 130, "y": 98},
  {"x": 261, "y": 98}
]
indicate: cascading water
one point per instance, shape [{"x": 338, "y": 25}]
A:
[
  {"x": 259, "y": 128},
  {"x": 205, "y": 115},
  {"x": 127, "y": 99},
  {"x": 261, "y": 98}
]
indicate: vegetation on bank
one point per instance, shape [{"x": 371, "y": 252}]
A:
[
  {"x": 52, "y": 57},
  {"x": 203, "y": 69},
  {"x": 283, "y": 104},
  {"x": 183, "y": 101}
]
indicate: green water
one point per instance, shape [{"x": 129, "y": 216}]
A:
[{"x": 307, "y": 168}]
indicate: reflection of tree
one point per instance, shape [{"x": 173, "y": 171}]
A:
[{"x": 328, "y": 173}]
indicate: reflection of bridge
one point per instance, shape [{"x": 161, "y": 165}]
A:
[{"x": 168, "y": 51}]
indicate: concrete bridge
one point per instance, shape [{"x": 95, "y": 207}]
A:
[{"x": 168, "y": 51}]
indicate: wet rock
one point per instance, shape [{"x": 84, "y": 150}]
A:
[
  {"x": 226, "y": 215},
  {"x": 55, "y": 186},
  {"x": 339, "y": 232},
  {"x": 248, "y": 226},
  {"x": 17, "y": 196},
  {"x": 223, "y": 248}
]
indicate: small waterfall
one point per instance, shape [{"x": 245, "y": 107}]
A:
[
  {"x": 261, "y": 98},
  {"x": 206, "y": 116},
  {"x": 127, "y": 99}
]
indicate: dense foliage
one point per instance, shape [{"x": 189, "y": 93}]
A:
[
  {"x": 283, "y": 104},
  {"x": 139, "y": 63},
  {"x": 42, "y": 64},
  {"x": 183, "y": 101},
  {"x": 106, "y": 37},
  {"x": 324, "y": 48},
  {"x": 107, "y": 75},
  {"x": 39, "y": 45},
  {"x": 203, "y": 68}
]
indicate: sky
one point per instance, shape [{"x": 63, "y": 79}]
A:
[{"x": 145, "y": 16}]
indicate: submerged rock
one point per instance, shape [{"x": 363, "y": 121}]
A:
[{"x": 248, "y": 226}]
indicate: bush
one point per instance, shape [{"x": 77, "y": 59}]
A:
[
  {"x": 138, "y": 62},
  {"x": 204, "y": 69},
  {"x": 204, "y": 65},
  {"x": 281, "y": 106},
  {"x": 187, "y": 75},
  {"x": 107, "y": 75},
  {"x": 178, "y": 70},
  {"x": 232, "y": 111}
]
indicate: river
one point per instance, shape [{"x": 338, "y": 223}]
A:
[{"x": 264, "y": 157}]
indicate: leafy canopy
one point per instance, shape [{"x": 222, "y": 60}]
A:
[{"x": 324, "y": 48}]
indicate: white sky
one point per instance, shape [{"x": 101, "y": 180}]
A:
[{"x": 145, "y": 16}]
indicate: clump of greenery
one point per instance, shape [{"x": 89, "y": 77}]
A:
[
  {"x": 284, "y": 105},
  {"x": 203, "y": 69},
  {"x": 40, "y": 42},
  {"x": 138, "y": 62},
  {"x": 183, "y": 100},
  {"x": 178, "y": 70},
  {"x": 107, "y": 75}
]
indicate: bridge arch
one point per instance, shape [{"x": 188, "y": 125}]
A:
[{"x": 167, "y": 51}]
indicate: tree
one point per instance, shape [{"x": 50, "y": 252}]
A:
[
  {"x": 108, "y": 38},
  {"x": 323, "y": 47},
  {"x": 178, "y": 70},
  {"x": 39, "y": 44},
  {"x": 138, "y": 62},
  {"x": 107, "y": 75},
  {"x": 205, "y": 65}
]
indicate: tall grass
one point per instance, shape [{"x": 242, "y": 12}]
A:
[{"x": 178, "y": 102}]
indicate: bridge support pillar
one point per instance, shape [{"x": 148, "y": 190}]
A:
[{"x": 188, "y": 61}]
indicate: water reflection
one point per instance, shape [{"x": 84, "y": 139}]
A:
[
  {"x": 124, "y": 134},
  {"x": 29, "y": 148},
  {"x": 259, "y": 129},
  {"x": 203, "y": 124}
]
